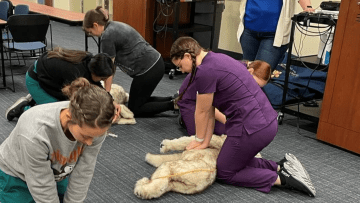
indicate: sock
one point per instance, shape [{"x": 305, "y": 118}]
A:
[{"x": 26, "y": 108}]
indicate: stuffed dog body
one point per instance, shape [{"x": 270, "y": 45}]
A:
[{"x": 189, "y": 172}]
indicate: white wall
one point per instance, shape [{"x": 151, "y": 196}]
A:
[
  {"x": 229, "y": 24},
  {"x": 62, "y": 4},
  {"x": 230, "y": 21}
]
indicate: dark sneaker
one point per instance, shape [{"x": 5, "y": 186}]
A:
[
  {"x": 297, "y": 179},
  {"x": 281, "y": 162},
  {"x": 297, "y": 164},
  {"x": 16, "y": 109}
]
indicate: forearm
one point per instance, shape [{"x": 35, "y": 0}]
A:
[
  {"x": 204, "y": 122},
  {"x": 220, "y": 116},
  {"x": 304, "y": 4},
  {"x": 107, "y": 83},
  {"x": 80, "y": 177},
  {"x": 210, "y": 128}
]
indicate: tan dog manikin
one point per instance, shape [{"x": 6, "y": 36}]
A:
[{"x": 189, "y": 172}]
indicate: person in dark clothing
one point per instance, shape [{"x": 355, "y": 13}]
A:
[
  {"x": 135, "y": 57},
  {"x": 55, "y": 69}
]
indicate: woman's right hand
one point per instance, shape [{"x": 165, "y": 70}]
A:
[{"x": 193, "y": 144}]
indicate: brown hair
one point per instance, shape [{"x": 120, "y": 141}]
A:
[
  {"x": 262, "y": 69},
  {"x": 73, "y": 56},
  {"x": 101, "y": 64},
  {"x": 89, "y": 104},
  {"x": 97, "y": 15},
  {"x": 186, "y": 45}
]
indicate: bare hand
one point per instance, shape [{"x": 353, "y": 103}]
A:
[
  {"x": 193, "y": 144},
  {"x": 202, "y": 146},
  {"x": 117, "y": 111},
  {"x": 310, "y": 10}
]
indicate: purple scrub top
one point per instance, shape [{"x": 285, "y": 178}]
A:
[
  {"x": 187, "y": 108},
  {"x": 236, "y": 94}
]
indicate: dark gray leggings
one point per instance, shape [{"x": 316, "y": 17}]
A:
[{"x": 141, "y": 103}]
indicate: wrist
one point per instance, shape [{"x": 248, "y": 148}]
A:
[{"x": 198, "y": 139}]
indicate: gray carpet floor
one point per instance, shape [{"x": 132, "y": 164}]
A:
[{"x": 335, "y": 172}]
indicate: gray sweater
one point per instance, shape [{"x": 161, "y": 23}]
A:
[
  {"x": 38, "y": 152},
  {"x": 133, "y": 55}
]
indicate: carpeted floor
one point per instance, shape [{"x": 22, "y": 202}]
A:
[{"x": 334, "y": 172}]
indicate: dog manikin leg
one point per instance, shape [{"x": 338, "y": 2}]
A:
[
  {"x": 175, "y": 144},
  {"x": 157, "y": 186}
]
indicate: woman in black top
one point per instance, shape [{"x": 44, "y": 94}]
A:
[{"x": 55, "y": 69}]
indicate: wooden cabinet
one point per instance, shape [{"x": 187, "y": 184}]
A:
[
  {"x": 140, "y": 15},
  {"x": 137, "y": 13},
  {"x": 340, "y": 114}
]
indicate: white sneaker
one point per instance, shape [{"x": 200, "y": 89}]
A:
[{"x": 28, "y": 97}]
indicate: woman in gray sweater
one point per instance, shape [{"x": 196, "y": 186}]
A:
[{"x": 50, "y": 155}]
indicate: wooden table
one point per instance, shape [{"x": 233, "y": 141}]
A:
[{"x": 56, "y": 14}]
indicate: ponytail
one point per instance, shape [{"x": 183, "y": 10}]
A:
[
  {"x": 73, "y": 56},
  {"x": 98, "y": 15}
]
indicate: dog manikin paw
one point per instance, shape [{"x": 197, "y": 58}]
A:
[
  {"x": 139, "y": 189},
  {"x": 163, "y": 147}
]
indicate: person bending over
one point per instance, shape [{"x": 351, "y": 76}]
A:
[
  {"x": 51, "y": 153},
  {"x": 135, "y": 57},
  {"x": 221, "y": 82},
  {"x": 48, "y": 75},
  {"x": 261, "y": 72}
]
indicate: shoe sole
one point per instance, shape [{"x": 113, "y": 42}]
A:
[
  {"x": 13, "y": 106},
  {"x": 298, "y": 172}
]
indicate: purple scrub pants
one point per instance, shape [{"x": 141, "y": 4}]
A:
[{"x": 236, "y": 164}]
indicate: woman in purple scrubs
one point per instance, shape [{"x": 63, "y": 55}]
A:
[
  {"x": 251, "y": 122},
  {"x": 261, "y": 72}
]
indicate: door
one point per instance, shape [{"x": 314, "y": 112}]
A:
[{"x": 340, "y": 114}]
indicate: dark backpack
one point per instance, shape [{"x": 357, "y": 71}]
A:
[{"x": 11, "y": 8}]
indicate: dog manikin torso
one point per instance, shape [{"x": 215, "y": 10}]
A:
[{"x": 189, "y": 172}]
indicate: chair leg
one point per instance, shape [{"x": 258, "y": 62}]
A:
[
  {"x": 17, "y": 55},
  {"x": 12, "y": 74}
]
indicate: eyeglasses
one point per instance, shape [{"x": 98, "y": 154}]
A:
[
  {"x": 88, "y": 33},
  {"x": 178, "y": 65}
]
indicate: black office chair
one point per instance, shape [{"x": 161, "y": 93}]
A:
[{"x": 28, "y": 35}]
